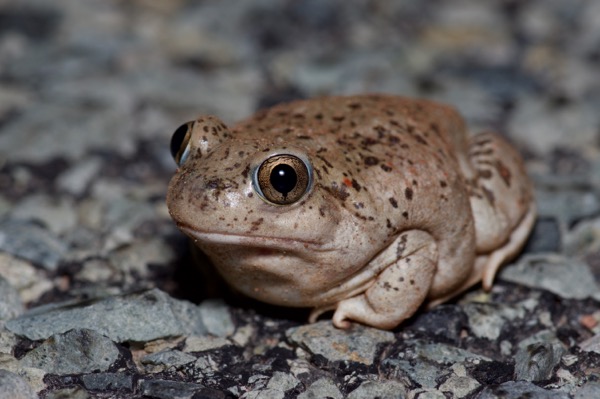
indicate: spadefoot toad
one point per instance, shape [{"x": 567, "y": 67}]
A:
[{"x": 366, "y": 205}]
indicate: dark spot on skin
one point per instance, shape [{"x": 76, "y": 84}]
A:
[
  {"x": 415, "y": 183},
  {"x": 303, "y": 137},
  {"x": 420, "y": 139},
  {"x": 386, "y": 168},
  {"x": 256, "y": 224},
  {"x": 250, "y": 195},
  {"x": 504, "y": 172},
  {"x": 325, "y": 161},
  {"x": 319, "y": 116},
  {"x": 205, "y": 128},
  {"x": 338, "y": 118},
  {"x": 393, "y": 202},
  {"x": 412, "y": 282},
  {"x": 371, "y": 161},
  {"x": 434, "y": 126},
  {"x": 443, "y": 184},
  {"x": 354, "y": 106},
  {"x": 489, "y": 195},
  {"x": 381, "y": 131},
  {"x": 401, "y": 247},
  {"x": 322, "y": 211},
  {"x": 388, "y": 224},
  {"x": 408, "y": 193},
  {"x": 369, "y": 141},
  {"x": 484, "y": 173},
  {"x": 338, "y": 192},
  {"x": 245, "y": 172},
  {"x": 405, "y": 215},
  {"x": 298, "y": 116},
  {"x": 355, "y": 185},
  {"x": 322, "y": 149},
  {"x": 401, "y": 279}
]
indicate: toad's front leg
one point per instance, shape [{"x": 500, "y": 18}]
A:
[{"x": 399, "y": 289}]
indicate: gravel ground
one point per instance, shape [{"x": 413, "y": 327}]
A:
[{"x": 98, "y": 297}]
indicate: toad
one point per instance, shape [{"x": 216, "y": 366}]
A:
[{"x": 369, "y": 206}]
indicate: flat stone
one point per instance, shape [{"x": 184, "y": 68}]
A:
[
  {"x": 536, "y": 361},
  {"x": 379, "y": 389},
  {"x": 282, "y": 382},
  {"x": 30, "y": 241},
  {"x": 486, "y": 320},
  {"x": 201, "y": 343},
  {"x": 14, "y": 387},
  {"x": 68, "y": 393},
  {"x": 322, "y": 388},
  {"x": 10, "y": 302},
  {"x": 138, "y": 317},
  {"x": 569, "y": 278},
  {"x": 423, "y": 373},
  {"x": 163, "y": 389},
  {"x": 77, "y": 351},
  {"x": 589, "y": 390},
  {"x": 519, "y": 390},
  {"x": 108, "y": 382},
  {"x": 357, "y": 344},
  {"x": 58, "y": 215},
  {"x": 168, "y": 358}
]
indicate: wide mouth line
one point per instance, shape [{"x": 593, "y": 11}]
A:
[{"x": 252, "y": 240}]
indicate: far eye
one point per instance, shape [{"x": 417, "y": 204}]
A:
[
  {"x": 180, "y": 142},
  {"x": 282, "y": 179}
]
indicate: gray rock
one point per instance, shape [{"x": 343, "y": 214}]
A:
[
  {"x": 68, "y": 393},
  {"x": 519, "y": 390},
  {"x": 379, "y": 389},
  {"x": 486, "y": 320},
  {"x": 589, "y": 390},
  {"x": 108, "y": 382},
  {"x": 274, "y": 389},
  {"x": 423, "y": 373},
  {"x": 217, "y": 318},
  {"x": 282, "y": 382},
  {"x": 201, "y": 343},
  {"x": 138, "y": 317},
  {"x": 459, "y": 386},
  {"x": 567, "y": 205},
  {"x": 357, "y": 344},
  {"x": 322, "y": 388},
  {"x": 168, "y": 358},
  {"x": 443, "y": 353},
  {"x": 77, "y": 178},
  {"x": 10, "y": 302},
  {"x": 30, "y": 241},
  {"x": 536, "y": 361},
  {"x": 163, "y": 389},
  {"x": 77, "y": 351},
  {"x": 14, "y": 387},
  {"x": 568, "y": 278}
]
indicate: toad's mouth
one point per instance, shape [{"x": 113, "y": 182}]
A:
[{"x": 250, "y": 240}]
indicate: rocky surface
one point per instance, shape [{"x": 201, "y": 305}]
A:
[{"x": 98, "y": 298}]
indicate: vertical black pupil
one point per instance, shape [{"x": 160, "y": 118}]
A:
[{"x": 283, "y": 178}]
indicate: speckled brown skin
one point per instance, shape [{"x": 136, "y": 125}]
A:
[{"x": 403, "y": 207}]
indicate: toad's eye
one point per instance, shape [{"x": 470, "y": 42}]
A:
[
  {"x": 180, "y": 143},
  {"x": 282, "y": 179}
]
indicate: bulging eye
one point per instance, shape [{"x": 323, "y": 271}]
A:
[
  {"x": 180, "y": 143},
  {"x": 282, "y": 179}
]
